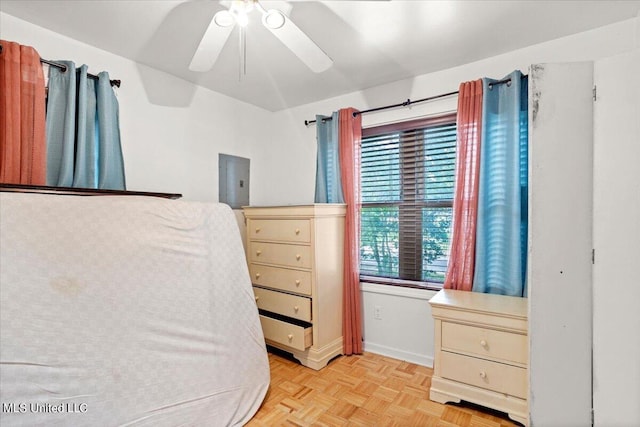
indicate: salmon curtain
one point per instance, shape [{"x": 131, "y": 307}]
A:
[
  {"x": 350, "y": 135},
  {"x": 23, "y": 150},
  {"x": 460, "y": 271}
]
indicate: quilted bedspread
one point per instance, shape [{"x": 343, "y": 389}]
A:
[{"x": 123, "y": 310}]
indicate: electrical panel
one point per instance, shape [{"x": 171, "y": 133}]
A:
[{"x": 233, "y": 180}]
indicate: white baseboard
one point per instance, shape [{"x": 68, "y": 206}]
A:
[{"x": 418, "y": 359}]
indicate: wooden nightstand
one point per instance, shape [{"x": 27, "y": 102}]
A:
[{"x": 481, "y": 351}]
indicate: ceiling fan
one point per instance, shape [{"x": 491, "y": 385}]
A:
[{"x": 276, "y": 21}]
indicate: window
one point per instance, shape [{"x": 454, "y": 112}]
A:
[{"x": 407, "y": 176}]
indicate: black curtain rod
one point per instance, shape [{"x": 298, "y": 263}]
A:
[
  {"x": 409, "y": 102},
  {"x": 63, "y": 67}
]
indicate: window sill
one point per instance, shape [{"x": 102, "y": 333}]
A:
[{"x": 397, "y": 283}]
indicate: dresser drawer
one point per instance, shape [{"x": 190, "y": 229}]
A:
[
  {"x": 294, "y": 336},
  {"x": 506, "y": 346},
  {"x": 489, "y": 375},
  {"x": 297, "y": 281},
  {"x": 286, "y": 230},
  {"x": 281, "y": 254},
  {"x": 285, "y": 304}
]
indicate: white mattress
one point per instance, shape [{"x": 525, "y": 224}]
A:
[{"x": 125, "y": 311}]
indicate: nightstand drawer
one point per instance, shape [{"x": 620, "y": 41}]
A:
[
  {"x": 498, "y": 377},
  {"x": 280, "y": 254},
  {"x": 487, "y": 343},
  {"x": 290, "y": 335},
  {"x": 286, "y": 230},
  {"x": 285, "y": 304},
  {"x": 297, "y": 281}
]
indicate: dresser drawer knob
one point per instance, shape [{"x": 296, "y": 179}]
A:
[
  {"x": 298, "y": 257},
  {"x": 483, "y": 343},
  {"x": 257, "y": 298},
  {"x": 257, "y": 275},
  {"x": 296, "y": 308},
  {"x": 483, "y": 374},
  {"x": 297, "y": 231},
  {"x": 290, "y": 337},
  {"x": 297, "y": 282},
  {"x": 258, "y": 252},
  {"x": 257, "y": 229}
]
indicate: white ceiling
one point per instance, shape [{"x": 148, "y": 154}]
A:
[{"x": 370, "y": 42}]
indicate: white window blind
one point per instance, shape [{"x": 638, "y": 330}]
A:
[{"x": 407, "y": 179}]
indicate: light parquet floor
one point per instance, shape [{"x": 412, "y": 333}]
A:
[{"x": 366, "y": 390}]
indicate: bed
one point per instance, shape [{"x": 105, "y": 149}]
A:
[{"x": 125, "y": 310}]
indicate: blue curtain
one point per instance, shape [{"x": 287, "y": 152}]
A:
[
  {"x": 60, "y": 125},
  {"x": 501, "y": 243},
  {"x": 86, "y": 170},
  {"x": 110, "y": 161},
  {"x": 83, "y": 132},
  {"x": 328, "y": 182}
]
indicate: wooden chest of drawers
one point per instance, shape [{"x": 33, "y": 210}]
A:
[
  {"x": 295, "y": 257},
  {"x": 481, "y": 351}
]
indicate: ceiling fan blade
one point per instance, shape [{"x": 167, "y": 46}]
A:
[
  {"x": 210, "y": 47},
  {"x": 301, "y": 45}
]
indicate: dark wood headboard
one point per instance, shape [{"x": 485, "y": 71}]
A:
[{"x": 43, "y": 189}]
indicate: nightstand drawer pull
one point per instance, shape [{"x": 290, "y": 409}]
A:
[
  {"x": 297, "y": 231},
  {"x": 257, "y": 229},
  {"x": 257, "y": 275},
  {"x": 483, "y": 343},
  {"x": 297, "y": 282},
  {"x": 298, "y": 257},
  {"x": 258, "y": 253},
  {"x": 290, "y": 337},
  {"x": 296, "y": 308},
  {"x": 483, "y": 374}
]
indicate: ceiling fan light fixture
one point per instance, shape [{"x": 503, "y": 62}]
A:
[
  {"x": 242, "y": 19},
  {"x": 224, "y": 18},
  {"x": 273, "y": 19},
  {"x": 240, "y": 10},
  {"x": 276, "y": 21}
]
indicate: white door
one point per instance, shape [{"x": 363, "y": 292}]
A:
[
  {"x": 616, "y": 239},
  {"x": 560, "y": 242}
]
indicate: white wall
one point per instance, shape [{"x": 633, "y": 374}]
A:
[
  {"x": 402, "y": 330},
  {"x": 616, "y": 239},
  {"x": 172, "y": 130}
]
